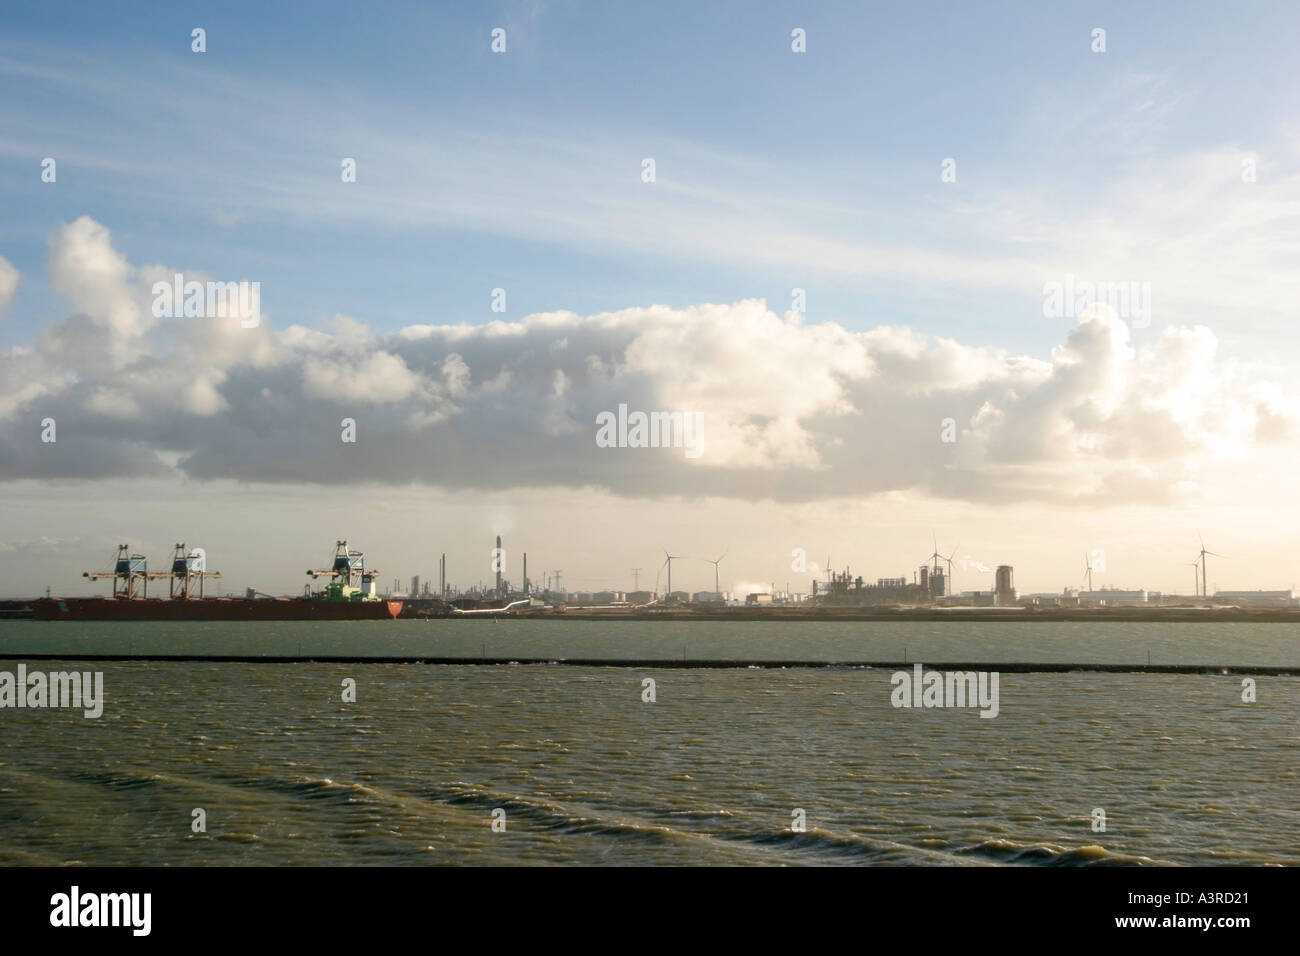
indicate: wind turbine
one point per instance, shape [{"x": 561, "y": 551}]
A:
[
  {"x": 934, "y": 555},
  {"x": 1204, "y": 591},
  {"x": 951, "y": 589},
  {"x": 716, "y": 589},
  {"x": 669, "y": 562},
  {"x": 1087, "y": 564},
  {"x": 1196, "y": 581}
]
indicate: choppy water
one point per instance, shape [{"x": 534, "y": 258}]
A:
[
  {"x": 588, "y": 773},
  {"x": 1053, "y": 642}
]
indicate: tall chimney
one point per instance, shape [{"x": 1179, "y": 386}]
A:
[{"x": 500, "y": 594}]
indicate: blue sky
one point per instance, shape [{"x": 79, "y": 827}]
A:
[
  {"x": 774, "y": 171},
  {"x": 842, "y": 144}
]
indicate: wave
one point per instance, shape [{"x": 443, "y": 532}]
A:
[
  {"x": 1050, "y": 854},
  {"x": 731, "y": 837}
]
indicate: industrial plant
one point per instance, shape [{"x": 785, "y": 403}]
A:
[
  {"x": 929, "y": 585},
  {"x": 352, "y": 590}
]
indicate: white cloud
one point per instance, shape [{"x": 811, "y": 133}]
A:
[
  {"x": 201, "y": 397},
  {"x": 377, "y": 377},
  {"x": 87, "y": 271},
  {"x": 791, "y": 410},
  {"x": 8, "y": 284}
]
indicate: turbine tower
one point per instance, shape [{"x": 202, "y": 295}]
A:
[
  {"x": 716, "y": 589},
  {"x": 669, "y": 561},
  {"x": 934, "y": 555},
  {"x": 1087, "y": 565},
  {"x": 951, "y": 588},
  {"x": 1204, "y": 591}
]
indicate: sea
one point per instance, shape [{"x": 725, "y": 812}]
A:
[{"x": 308, "y": 763}]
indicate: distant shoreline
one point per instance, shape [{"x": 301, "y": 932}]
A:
[
  {"x": 14, "y": 610},
  {"x": 1026, "y": 616}
]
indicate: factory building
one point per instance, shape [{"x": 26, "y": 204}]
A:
[
  {"x": 1005, "y": 586},
  {"x": 937, "y": 582},
  {"x": 846, "y": 590},
  {"x": 1113, "y": 596},
  {"x": 1257, "y": 598}
]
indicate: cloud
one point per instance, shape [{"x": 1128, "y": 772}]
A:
[
  {"x": 87, "y": 271},
  {"x": 374, "y": 378},
  {"x": 789, "y": 410},
  {"x": 8, "y": 284}
]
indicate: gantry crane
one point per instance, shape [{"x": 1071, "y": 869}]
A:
[
  {"x": 188, "y": 568},
  {"x": 130, "y": 574},
  {"x": 347, "y": 565}
]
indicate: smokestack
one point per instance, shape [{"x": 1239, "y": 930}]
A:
[
  {"x": 498, "y": 564},
  {"x": 525, "y": 573}
]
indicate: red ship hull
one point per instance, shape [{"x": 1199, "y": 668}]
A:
[{"x": 212, "y": 609}]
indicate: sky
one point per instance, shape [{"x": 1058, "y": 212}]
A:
[{"x": 841, "y": 268}]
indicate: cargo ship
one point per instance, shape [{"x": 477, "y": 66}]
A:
[{"x": 340, "y": 600}]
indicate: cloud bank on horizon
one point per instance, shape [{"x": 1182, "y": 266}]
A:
[{"x": 790, "y": 410}]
